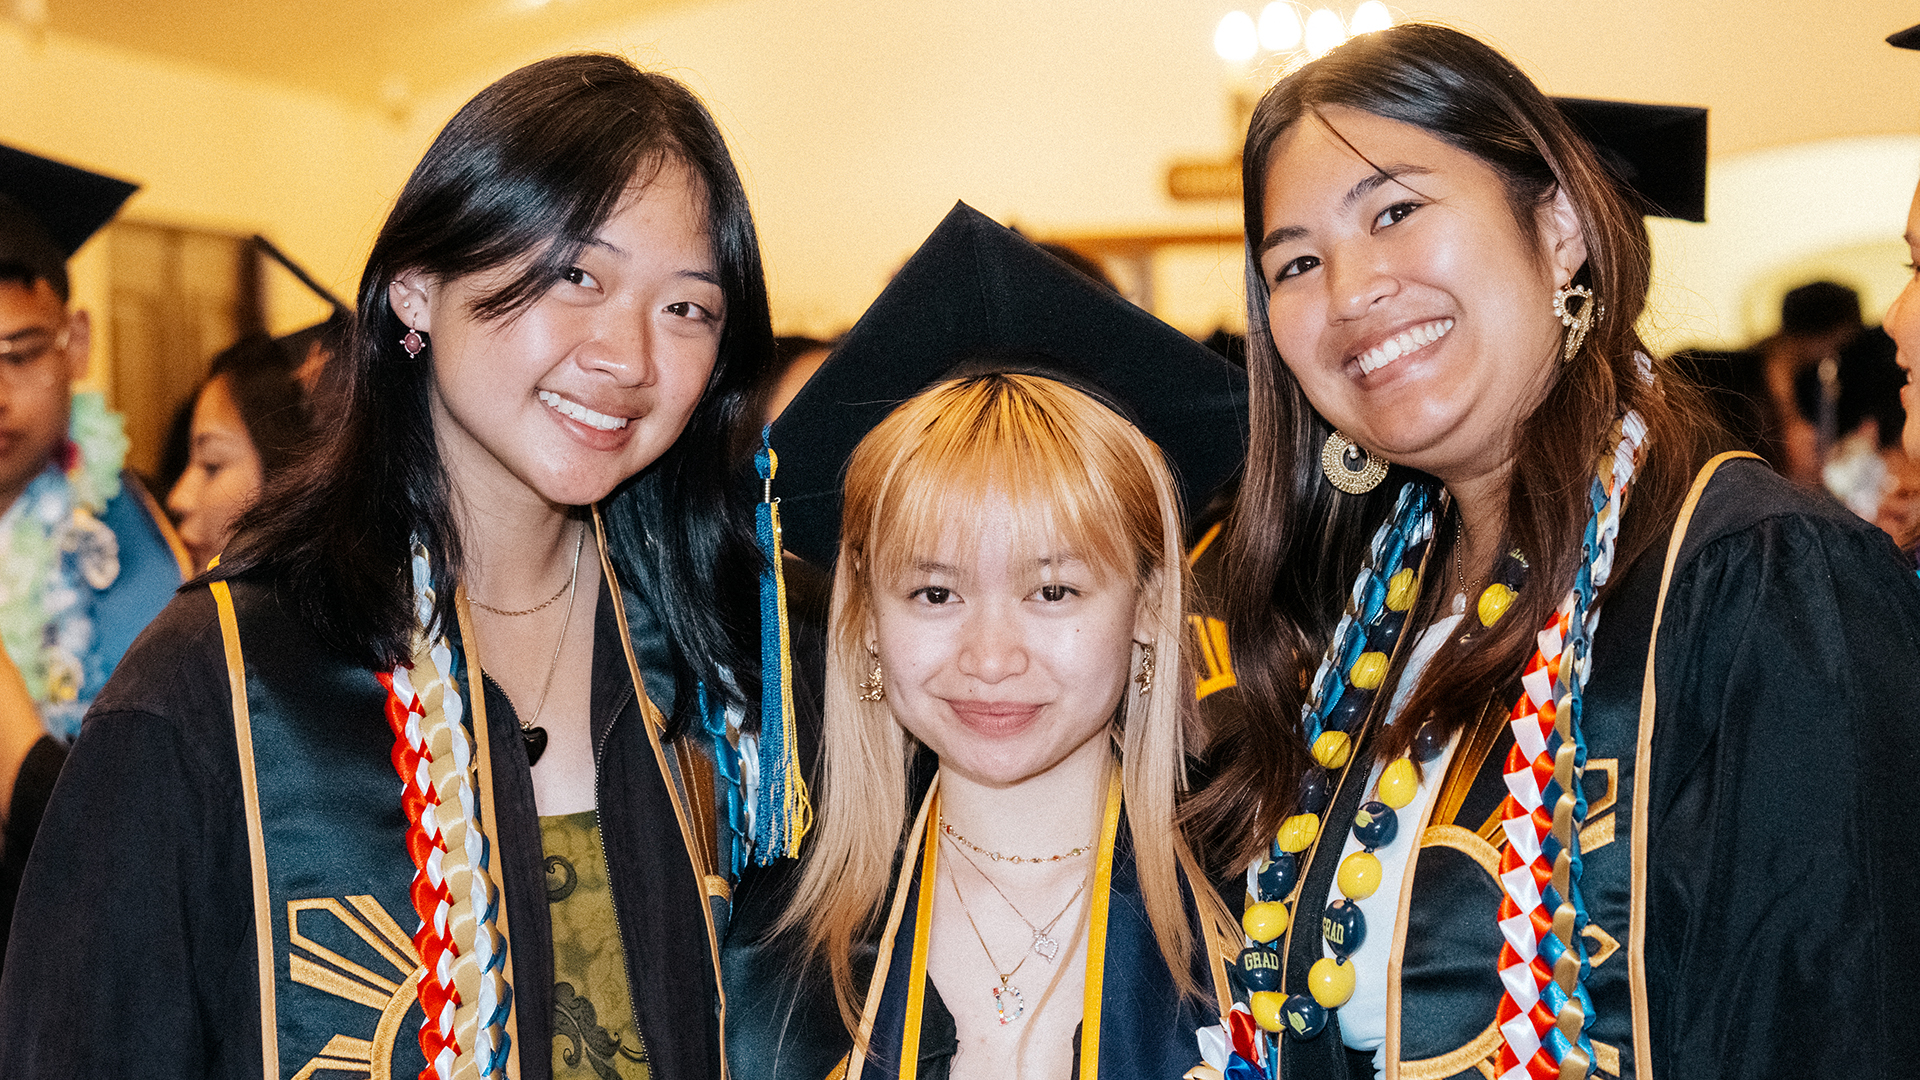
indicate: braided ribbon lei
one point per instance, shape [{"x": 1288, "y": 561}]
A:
[
  {"x": 1544, "y": 1006},
  {"x": 463, "y": 990}
]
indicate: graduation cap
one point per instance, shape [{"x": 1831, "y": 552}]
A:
[
  {"x": 1659, "y": 152},
  {"x": 1905, "y": 39},
  {"x": 976, "y": 291},
  {"x": 64, "y": 203}
]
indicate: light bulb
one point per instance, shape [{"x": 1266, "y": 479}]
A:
[
  {"x": 1236, "y": 39},
  {"x": 1324, "y": 31},
  {"x": 1368, "y": 17},
  {"x": 1279, "y": 27}
]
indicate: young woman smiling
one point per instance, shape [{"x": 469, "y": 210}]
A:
[
  {"x": 400, "y": 788},
  {"x": 1004, "y": 674},
  {"x": 1563, "y": 752}
]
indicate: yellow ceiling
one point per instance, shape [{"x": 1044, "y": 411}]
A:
[{"x": 373, "y": 52}]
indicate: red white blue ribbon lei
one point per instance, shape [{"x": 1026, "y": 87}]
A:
[
  {"x": 463, "y": 990},
  {"x": 1544, "y": 1007}
]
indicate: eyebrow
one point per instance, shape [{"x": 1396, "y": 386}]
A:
[
  {"x": 711, "y": 277},
  {"x": 1381, "y": 176}
]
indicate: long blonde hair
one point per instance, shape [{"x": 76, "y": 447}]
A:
[{"x": 1075, "y": 473}]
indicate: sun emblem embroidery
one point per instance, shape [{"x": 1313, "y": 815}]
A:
[
  {"x": 1484, "y": 848},
  {"x": 389, "y": 992}
]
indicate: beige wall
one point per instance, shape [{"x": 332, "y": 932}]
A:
[
  {"x": 857, "y": 128},
  {"x": 209, "y": 150}
]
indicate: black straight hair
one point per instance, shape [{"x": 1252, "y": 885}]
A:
[
  {"x": 523, "y": 176},
  {"x": 258, "y": 375},
  {"x": 1294, "y": 543}
]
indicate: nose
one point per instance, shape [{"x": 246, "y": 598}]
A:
[
  {"x": 1355, "y": 285},
  {"x": 185, "y": 494},
  {"x": 623, "y": 348},
  {"x": 991, "y": 649},
  {"x": 1903, "y": 325}
]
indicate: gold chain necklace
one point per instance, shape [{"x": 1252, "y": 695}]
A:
[
  {"x": 544, "y": 604},
  {"x": 530, "y": 731},
  {"x": 1044, "y": 942},
  {"x": 998, "y": 857}
]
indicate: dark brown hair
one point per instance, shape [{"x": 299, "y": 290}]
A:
[{"x": 1295, "y": 542}]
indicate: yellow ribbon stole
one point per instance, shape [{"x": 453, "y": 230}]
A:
[{"x": 929, "y": 840}]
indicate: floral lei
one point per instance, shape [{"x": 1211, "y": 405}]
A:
[{"x": 58, "y": 557}]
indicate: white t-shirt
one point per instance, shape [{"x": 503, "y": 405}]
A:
[{"x": 1363, "y": 1019}]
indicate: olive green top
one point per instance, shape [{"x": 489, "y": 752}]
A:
[{"x": 593, "y": 1025}]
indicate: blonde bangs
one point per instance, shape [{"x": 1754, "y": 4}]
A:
[{"x": 1066, "y": 465}]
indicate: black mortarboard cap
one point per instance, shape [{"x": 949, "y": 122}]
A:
[
  {"x": 1658, "y": 151},
  {"x": 69, "y": 204},
  {"x": 978, "y": 291},
  {"x": 1905, "y": 39}
]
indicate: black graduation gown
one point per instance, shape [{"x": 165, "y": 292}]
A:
[
  {"x": 1781, "y": 806},
  {"x": 782, "y": 1022},
  {"x": 134, "y": 947}
]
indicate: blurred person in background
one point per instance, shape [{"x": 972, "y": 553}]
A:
[
  {"x": 86, "y": 557},
  {"x": 249, "y": 422}
]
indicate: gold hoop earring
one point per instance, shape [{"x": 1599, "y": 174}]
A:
[
  {"x": 1144, "y": 677},
  {"x": 1576, "y": 322},
  {"x": 874, "y": 688},
  {"x": 1351, "y": 467}
]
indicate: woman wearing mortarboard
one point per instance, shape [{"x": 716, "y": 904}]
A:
[
  {"x": 997, "y": 885},
  {"x": 416, "y": 782},
  {"x": 1569, "y": 748}
]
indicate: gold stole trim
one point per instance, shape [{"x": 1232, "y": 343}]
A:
[
  {"x": 256, "y": 833},
  {"x": 928, "y": 840},
  {"x": 488, "y": 823},
  {"x": 1643, "y": 788},
  {"x": 1097, "y": 934},
  {"x": 1400, "y": 918},
  {"x": 164, "y": 525},
  {"x": 655, "y": 724},
  {"x": 856, "y": 1061}
]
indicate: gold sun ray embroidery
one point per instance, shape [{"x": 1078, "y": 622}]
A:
[{"x": 389, "y": 993}]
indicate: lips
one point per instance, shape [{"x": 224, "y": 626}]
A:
[
  {"x": 994, "y": 717},
  {"x": 1402, "y": 343},
  {"x": 573, "y": 410}
]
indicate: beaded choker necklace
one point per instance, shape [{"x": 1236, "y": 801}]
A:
[{"x": 1544, "y": 1009}]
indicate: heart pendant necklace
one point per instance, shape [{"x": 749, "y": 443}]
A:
[
  {"x": 1044, "y": 943},
  {"x": 531, "y": 732},
  {"x": 1008, "y": 1005}
]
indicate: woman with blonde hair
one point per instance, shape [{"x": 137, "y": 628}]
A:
[{"x": 997, "y": 884}]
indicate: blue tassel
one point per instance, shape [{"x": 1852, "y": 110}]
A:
[{"x": 782, "y": 814}]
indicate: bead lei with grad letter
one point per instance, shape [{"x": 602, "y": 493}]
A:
[
  {"x": 1339, "y": 699},
  {"x": 1543, "y": 949}
]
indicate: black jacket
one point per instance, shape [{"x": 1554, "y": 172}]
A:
[{"x": 133, "y": 950}]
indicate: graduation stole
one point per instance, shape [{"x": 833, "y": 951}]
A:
[
  {"x": 1122, "y": 957},
  {"x": 357, "y": 876}
]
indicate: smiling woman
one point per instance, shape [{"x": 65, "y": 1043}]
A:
[
  {"x": 1005, "y": 672},
  {"x": 1551, "y": 742},
  {"x": 411, "y": 689}
]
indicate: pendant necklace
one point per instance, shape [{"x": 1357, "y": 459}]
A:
[
  {"x": 1465, "y": 587},
  {"x": 1008, "y": 1004},
  {"x": 1044, "y": 942},
  {"x": 530, "y": 731}
]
